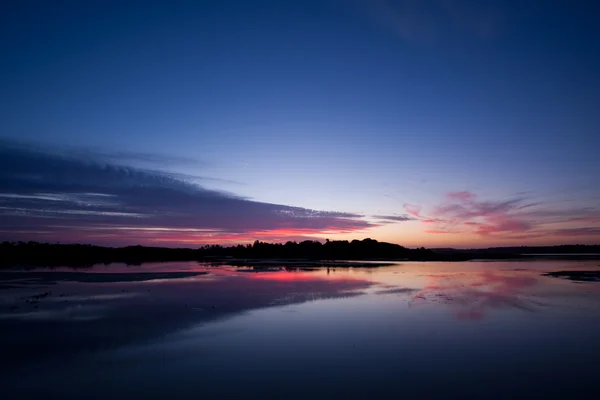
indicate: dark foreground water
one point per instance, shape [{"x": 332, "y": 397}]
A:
[{"x": 413, "y": 330}]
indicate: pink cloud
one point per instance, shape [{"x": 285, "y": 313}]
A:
[
  {"x": 514, "y": 218},
  {"x": 502, "y": 223},
  {"x": 413, "y": 209}
]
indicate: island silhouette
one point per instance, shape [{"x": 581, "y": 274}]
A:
[{"x": 312, "y": 252}]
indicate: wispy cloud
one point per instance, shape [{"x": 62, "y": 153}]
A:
[
  {"x": 586, "y": 231},
  {"x": 393, "y": 218},
  {"x": 516, "y": 218},
  {"x": 45, "y": 195},
  {"x": 413, "y": 209}
]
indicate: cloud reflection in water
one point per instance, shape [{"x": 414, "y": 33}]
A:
[{"x": 471, "y": 296}]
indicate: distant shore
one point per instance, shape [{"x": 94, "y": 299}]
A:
[{"x": 359, "y": 253}]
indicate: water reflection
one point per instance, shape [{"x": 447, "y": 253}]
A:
[
  {"x": 229, "y": 333},
  {"x": 470, "y": 296},
  {"x": 107, "y": 310}
]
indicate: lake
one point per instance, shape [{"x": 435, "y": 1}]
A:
[{"x": 190, "y": 330}]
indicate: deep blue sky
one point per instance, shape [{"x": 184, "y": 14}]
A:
[{"x": 479, "y": 120}]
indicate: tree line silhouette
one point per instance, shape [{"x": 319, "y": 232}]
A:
[{"x": 35, "y": 253}]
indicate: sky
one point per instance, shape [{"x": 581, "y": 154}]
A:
[{"x": 436, "y": 123}]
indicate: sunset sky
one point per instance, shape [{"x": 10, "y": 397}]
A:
[{"x": 178, "y": 123}]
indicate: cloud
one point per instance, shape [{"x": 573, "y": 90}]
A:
[
  {"x": 502, "y": 223},
  {"x": 585, "y": 231},
  {"x": 126, "y": 157},
  {"x": 413, "y": 209},
  {"x": 48, "y": 195},
  {"x": 394, "y": 218},
  {"x": 160, "y": 159},
  {"x": 512, "y": 218}
]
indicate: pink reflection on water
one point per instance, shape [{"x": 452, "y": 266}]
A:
[
  {"x": 472, "y": 296},
  {"x": 286, "y": 276}
]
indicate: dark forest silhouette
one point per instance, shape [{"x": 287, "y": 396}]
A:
[{"x": 34, "y": 253}]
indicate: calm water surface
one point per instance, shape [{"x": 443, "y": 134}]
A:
[{"x": 427, "y": 330}]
